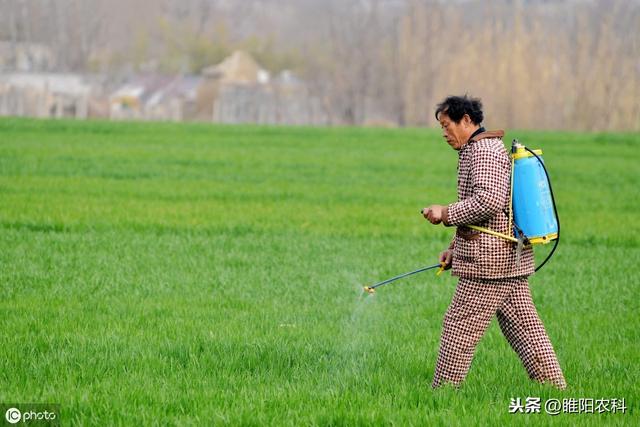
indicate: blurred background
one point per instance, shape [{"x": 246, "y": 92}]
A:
[{"x": 554, "y": 64}]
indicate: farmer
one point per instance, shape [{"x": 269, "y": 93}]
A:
[{"x": 492, "y": 278}]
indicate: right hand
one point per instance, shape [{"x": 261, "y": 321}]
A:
[{"x": 446, "y": 256}]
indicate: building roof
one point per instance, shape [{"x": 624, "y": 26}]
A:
[
  {"x": 239, "y": 67},
  {"x": 153, "y": 89}
]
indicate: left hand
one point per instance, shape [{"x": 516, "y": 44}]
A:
[{"x": 433, "y": 213}]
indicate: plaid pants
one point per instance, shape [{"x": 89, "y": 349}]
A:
[{"x": 474, "y": 304}]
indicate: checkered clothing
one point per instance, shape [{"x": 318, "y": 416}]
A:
[
  {"x": 474, "y": 304},
  {"x": 484, "y": 184}
]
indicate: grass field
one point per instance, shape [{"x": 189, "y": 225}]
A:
[{"x": 205, "y": 275}]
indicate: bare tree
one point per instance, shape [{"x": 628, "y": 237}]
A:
[{"x": 567, "y": 64}]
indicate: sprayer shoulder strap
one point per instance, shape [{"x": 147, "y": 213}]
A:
[{"x": 509, "y": 215}]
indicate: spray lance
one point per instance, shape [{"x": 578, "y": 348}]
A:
[
  {"x": 371, "y": 289},
  {"x": 532, "y": 209}
]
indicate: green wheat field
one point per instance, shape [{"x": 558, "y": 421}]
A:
[{"x": 190, "y": 274}]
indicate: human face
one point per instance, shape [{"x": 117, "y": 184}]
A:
[{"x": 456, "y": 134}]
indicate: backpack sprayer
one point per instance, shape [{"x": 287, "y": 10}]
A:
[{"x": 532, "y": 209}]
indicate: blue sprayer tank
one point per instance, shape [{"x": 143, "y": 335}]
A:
[{"x": 533, "y": 210}]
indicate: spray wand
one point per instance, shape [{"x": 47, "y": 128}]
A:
[{"x": 372, "y": 289}]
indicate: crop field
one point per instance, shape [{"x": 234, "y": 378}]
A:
[{"x": 166, "y": 274}]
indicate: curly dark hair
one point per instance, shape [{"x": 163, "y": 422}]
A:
[{"x": 457, "y": 106}]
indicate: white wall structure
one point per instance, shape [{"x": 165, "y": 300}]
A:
[{"x": 44, "y": 95}]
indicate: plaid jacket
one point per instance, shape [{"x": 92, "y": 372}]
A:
[{"x": 484, "y": 183}]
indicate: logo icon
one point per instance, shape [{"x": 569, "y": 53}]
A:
[{"x": 13, "y": 415}]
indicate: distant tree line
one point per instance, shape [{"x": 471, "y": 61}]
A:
[{"x": 536, "y": 64}]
